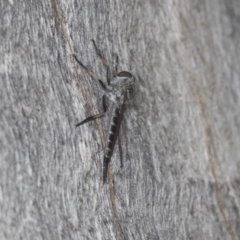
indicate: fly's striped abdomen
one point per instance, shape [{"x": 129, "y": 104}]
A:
[{"x": 112, "y": 136}]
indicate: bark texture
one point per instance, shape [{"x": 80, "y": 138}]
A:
[{"x": 180, "y": 135}]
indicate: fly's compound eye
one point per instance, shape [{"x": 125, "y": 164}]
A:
[{"x": 125, "y": 74}]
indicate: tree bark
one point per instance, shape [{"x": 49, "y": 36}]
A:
[{"x": 180, "y": 134}]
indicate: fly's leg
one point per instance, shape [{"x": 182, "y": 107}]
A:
[
  {"x": 105, "y": 168},
  {"x": 104, "y": 61},
  {"x": 102, "y": 85},
  {"x": 97, "y": 115},
  {"x": 92, "y": 74},
  {"x": 116, "y": 66}
]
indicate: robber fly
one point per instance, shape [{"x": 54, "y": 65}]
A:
[{"x": 119, "y": 90}]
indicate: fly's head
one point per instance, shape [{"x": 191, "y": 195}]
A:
[{"x": 127, "y": 84}]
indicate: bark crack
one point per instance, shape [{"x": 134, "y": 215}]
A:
[{"x": 90, "y": 106}]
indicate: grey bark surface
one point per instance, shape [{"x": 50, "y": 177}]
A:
[{"x": 180, "y": 134}]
